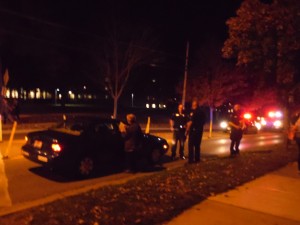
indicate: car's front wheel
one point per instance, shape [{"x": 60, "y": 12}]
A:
[
  {"x": 86, "y": 166},
  {"x": 156, "y": 155}
]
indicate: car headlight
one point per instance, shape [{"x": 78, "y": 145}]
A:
[
  {"x": 277, "y": 124},
  {"x": 165, "y": 146},
  {"x": 224, "y": 124},
  {"x": 258, "y": 125}
]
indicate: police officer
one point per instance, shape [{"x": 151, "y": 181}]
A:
[
  {"x": 237, "y": 125},
  {"x": 195, "y": 132},
  {"x": 178, "y": 122}
]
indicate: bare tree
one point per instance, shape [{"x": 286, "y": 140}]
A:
[{"x": 120, "y": 58}]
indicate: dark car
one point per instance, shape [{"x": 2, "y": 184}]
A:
[{"x": 87, "y": 144}]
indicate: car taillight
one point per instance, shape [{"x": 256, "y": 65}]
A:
[{"x": 56, "y": 147}]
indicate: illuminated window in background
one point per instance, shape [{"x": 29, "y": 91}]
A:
[
  {"x": 24, "y": 94},
  {"x": 147, "y": 106},
  {"x": 90, "y": 96},
  {"x": 59, "y": 96},
  {"x": 79, "y": 96},
  {"x": 7, "y": 93},
  {"x": 71, "y": 95},
  {"x": 38, "y": 93},
  {"x": 153, "y": 105},
  {"x": 44, "y": 95},
  {"x": 31, "y": 94},
  {"x": 14, "y": 93}
]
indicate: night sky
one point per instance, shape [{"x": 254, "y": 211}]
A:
[{"x": 55, "y": 43}]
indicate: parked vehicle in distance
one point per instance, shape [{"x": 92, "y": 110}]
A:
[
  {"x": 86, "y": 144},
  {"x": 252, "y": 125}
]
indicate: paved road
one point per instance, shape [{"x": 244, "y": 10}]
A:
[{"x": 24, "y": 183}]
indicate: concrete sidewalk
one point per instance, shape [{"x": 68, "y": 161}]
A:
[{"x": 271, "y": 199}]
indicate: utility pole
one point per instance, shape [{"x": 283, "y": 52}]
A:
[{"x": 185, "y": 74}]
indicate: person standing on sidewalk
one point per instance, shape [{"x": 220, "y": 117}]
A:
[
  {"x": 295, "y": 126},
  {"x": 237, "y": 125},
  {"x": 178, "y": 123},
  {"x": 195, "y": 132},
  {"x": 133, "y": 140}
]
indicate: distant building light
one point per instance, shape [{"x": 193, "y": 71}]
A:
[
  {"x": 38, "y": 93},
  {"x": 84, "y": 87},
  {"x": 147, "y": 106},
  {"x": 14, "y": 93},
  {"x": 153, "y": 106},
  {"x": 31, "y": 94},
  {"x": 7, "y": 93},
  {"x": 162, "y": 106}
]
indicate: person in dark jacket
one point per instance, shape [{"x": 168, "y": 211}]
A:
[
  {"x": 133, "y": 140},
  {"x": 195, "y": 132},
  {"x": 237, "y": 125},
  {"x": 295, "y": 126}
]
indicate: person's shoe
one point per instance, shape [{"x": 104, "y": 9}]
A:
[{"x": 182, "y": 157}]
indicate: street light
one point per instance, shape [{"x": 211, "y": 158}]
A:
[
  {"x": 55, "y": 95},
  {"x": 132, "y": 99}
]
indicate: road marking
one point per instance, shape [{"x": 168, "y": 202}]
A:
[{"x": 5, "y": 200}]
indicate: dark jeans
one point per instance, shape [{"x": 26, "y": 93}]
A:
[
  {"x": 131, "y": 161},
  {"x": 178, "y": 137},
  {"x": 195, "y": 138},
  {"x": 236, "y": 137}
]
